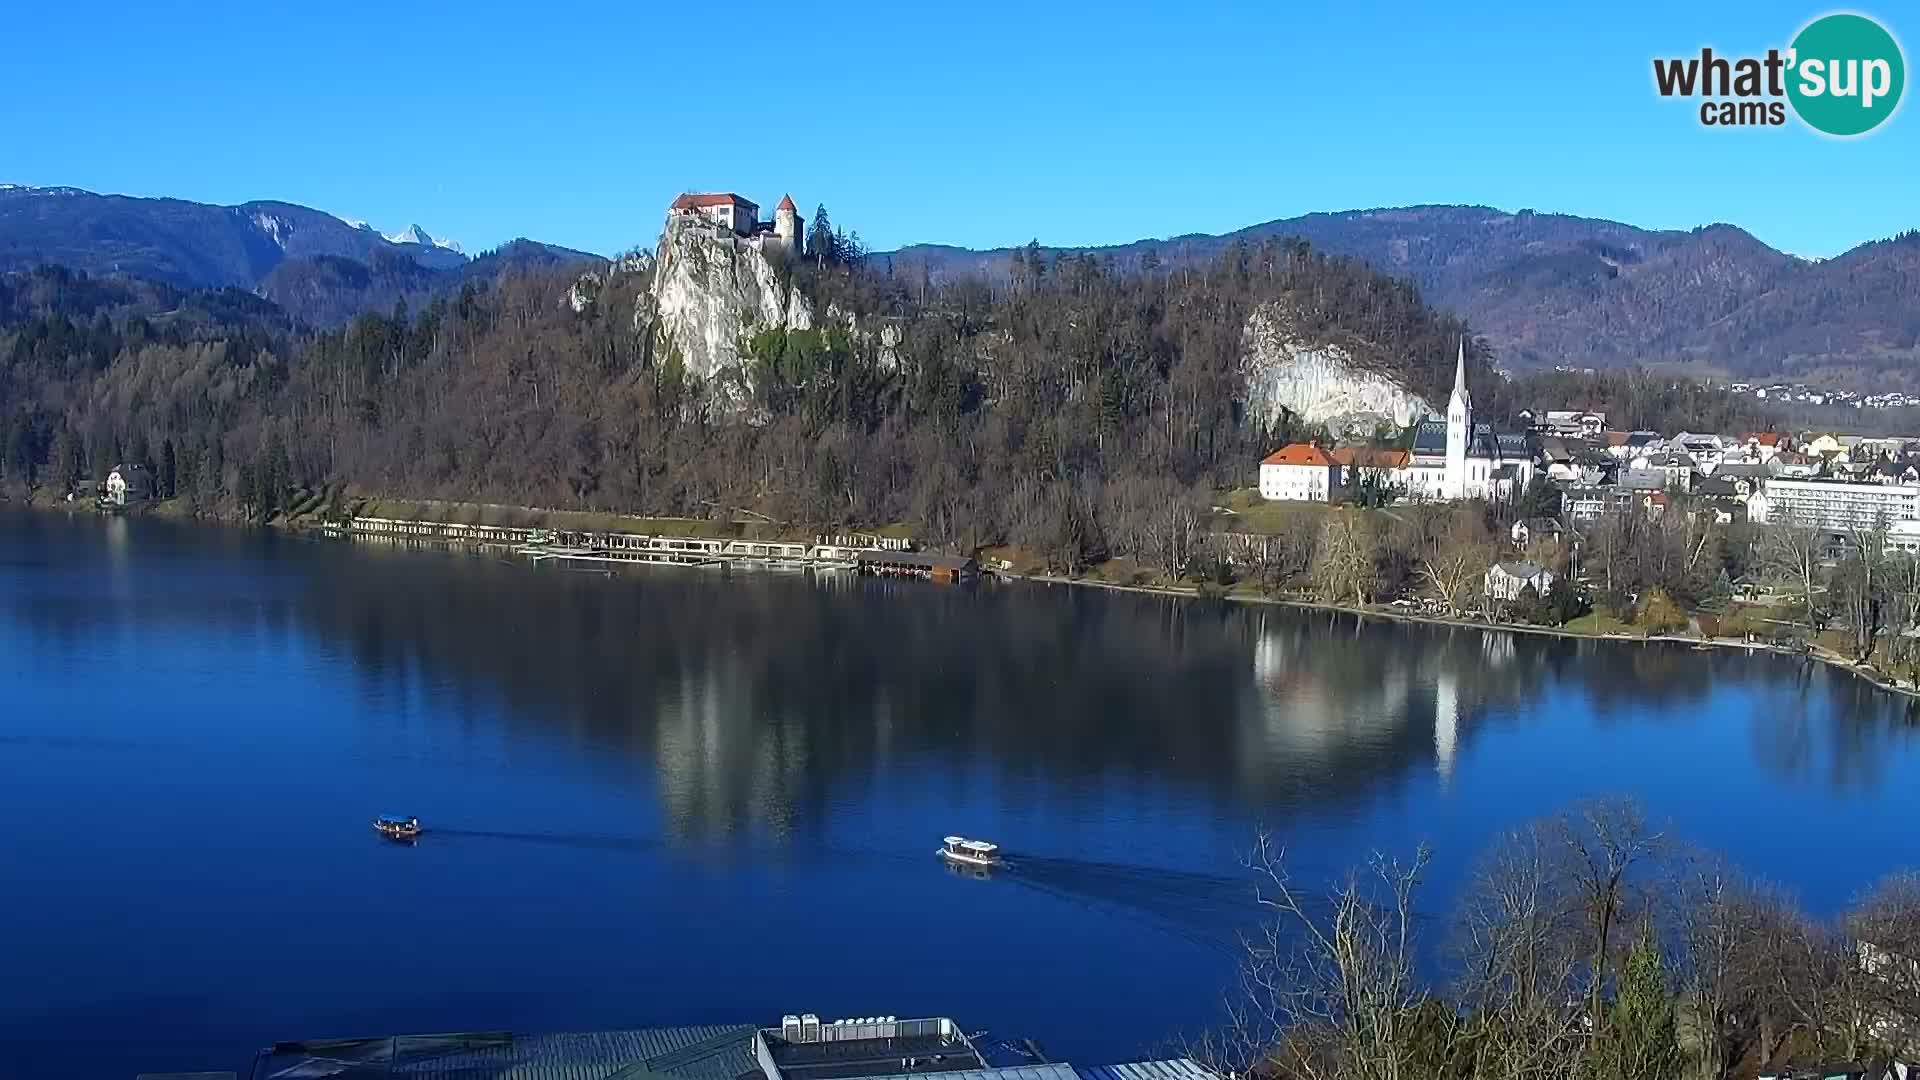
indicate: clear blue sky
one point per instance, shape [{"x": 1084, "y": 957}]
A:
[{"x": 975, "y": 124}]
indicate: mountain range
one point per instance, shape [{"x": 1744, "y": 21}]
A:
[
  {"x": 1542, "y": 289},
  {"x": 1554, "y": 289},
  {"x": 322, "y": 269}
]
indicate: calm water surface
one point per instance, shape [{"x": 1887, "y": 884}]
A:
[{"x": 689, "y": 798}]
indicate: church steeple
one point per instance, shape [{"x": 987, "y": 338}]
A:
[{"x": 1459, "y": 430}]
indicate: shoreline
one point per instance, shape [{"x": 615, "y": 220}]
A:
[{"x": 1812, "y": 653}]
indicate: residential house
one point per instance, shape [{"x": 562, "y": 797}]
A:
[
  {"x": 129, "y": 484},
  {"x": 1676, "y": 465},
  {"x": 1507, "y": 580},
  {"x": 1762, "y": 445},
  {"x": 1792, "y": 465},
  {"x": 1885, "y": 471},
  {"x": 1827, "y": 446},
  {"x": 1705, "y": 450},
  {"x": 1301, "y": 472},
  {"x": 1589, "y": 502},
  {"x": 1726, "y": 496},
  {"x": 1641, "y": 480},
  {"x": 1573, "y": 422}
]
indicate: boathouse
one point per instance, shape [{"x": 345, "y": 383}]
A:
[{"x": 942, "y": 568}]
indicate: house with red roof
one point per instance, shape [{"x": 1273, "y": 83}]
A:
[
  {"x": 1301, "y": 472},
  {"x": 741, "y": 217}
]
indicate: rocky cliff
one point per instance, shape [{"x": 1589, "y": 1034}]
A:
[
  {"x": 1318, "y": 382},
  {"x": 711, "y": 289}
]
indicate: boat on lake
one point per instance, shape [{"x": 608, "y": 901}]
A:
[
  {"x": 965, "y": 852},
  {"x": 397, "y": 827}
]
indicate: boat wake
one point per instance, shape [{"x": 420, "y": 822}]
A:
[
  {"x": 572, "y": 840},
  {"x": 1213, "y": 911}
]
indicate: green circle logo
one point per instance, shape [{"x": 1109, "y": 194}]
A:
[{"x": 1847, "y": 74}]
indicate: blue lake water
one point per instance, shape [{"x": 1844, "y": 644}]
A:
[{"x": 680, "y": 797}]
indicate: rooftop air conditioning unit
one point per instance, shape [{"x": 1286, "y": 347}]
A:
[
  {"x": 790, "y": 1028},
  {"x": 810, "y": 1028}
]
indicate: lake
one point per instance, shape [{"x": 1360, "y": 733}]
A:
[{"x": 690, "y": 797}]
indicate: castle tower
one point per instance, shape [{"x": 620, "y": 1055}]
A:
[
  {"x": 1459, "y": 428},
  {"x": 786, "y": 225}
]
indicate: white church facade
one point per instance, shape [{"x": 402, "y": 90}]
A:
[{"x": 1456, "y": 458}]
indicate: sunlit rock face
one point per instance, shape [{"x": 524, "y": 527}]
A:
[
  {"x": 1318, "y": 382},
  {"x": 712, "y": 288}
]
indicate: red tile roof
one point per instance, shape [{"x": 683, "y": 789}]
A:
[
  {"x": 1298, "y": 454},
  {"x": 1766, "y": 438},
  {"x": 1617, "y": 438},
  {"x": 786, "y": 203},
  {"x": 695, "y": 200},
  {"x": 1368, "y": 457}
]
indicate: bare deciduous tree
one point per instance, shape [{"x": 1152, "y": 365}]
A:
[
  {"x": 1452, "y": 554},
  {"x": 1329, "y": 990},
  {"x": 1344, "y": 569},
  {"x": 1789, "y": 551},
  {"x": 1602, "y": 843},
  {"x": 1518, "y": 962}
]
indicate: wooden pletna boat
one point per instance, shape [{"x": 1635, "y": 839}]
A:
[
  {"x": 397, "y": 826},
  {"x": 959, "y": 849}
]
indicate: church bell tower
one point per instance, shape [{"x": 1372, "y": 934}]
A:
[{"x": 1459, "y": 428}]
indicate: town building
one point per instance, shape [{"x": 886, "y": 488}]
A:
[
  {"x": 1301, "y": 472},
  {"x": 129, "y": 484},
  {"x": 1793, "y": 465},
  {"x": 1460, "y": 459},
  {"x": 1359, "y": 464},
  {"x": 1573, "y": 423},
  {"x": 1760, "y": 445},
  {"x": 1887, "y": 471},
  {"x": 1580, "y": 503},
  {"x": 742, "y": 218},
  {"x": 1833, "y": 504},
  {"x": 1507, "y": 580},
  {"x": 1705, "y": 450},
  {"x": 1676, "y": 466}
]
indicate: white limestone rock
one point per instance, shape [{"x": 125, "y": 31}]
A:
[
  {"x": 711, "y": 289},
  {"x": 1317, "y": 381}
]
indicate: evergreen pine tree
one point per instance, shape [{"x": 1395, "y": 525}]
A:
[{"x": 1641, "y": 1040}]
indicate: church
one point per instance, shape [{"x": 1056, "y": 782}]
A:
[{"x": 1459, "y": 459}]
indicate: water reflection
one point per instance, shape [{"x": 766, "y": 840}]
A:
[{"x": 756, "y": 701}]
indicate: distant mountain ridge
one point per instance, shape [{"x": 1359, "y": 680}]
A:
[
  {"x": 320, "y": 268},
  {"x": 1555, "y": 289}
]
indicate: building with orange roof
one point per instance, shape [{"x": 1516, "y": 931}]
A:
[
  {"x": 1301, "y": 472},
  {"x": 742, "y": 217},
  {"x": 1357, "y": 463}
]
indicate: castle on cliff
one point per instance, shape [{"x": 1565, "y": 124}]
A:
[{"x": 730, "y": 212}]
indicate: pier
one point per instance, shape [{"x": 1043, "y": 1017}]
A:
[{"x": 853, "y": 552}]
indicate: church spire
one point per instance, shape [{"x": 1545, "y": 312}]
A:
[{"x": 1460, "y": 369}]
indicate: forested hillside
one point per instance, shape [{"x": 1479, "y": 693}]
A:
[
  {"x": 1073, "y": 408},
  {"x": 1554, "y": 289}
]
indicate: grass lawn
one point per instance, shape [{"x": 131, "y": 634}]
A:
[{"x": 1597, "y": 622}]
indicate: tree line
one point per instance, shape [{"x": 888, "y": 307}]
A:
[
  {"x": 1053, "y": 411},
  {"x": 1589, "y": 944}
]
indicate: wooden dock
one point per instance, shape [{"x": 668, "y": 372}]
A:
[{"x": 595, "y": 548}]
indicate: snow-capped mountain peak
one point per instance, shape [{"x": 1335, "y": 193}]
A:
[{"x": 414, "y": 234}]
